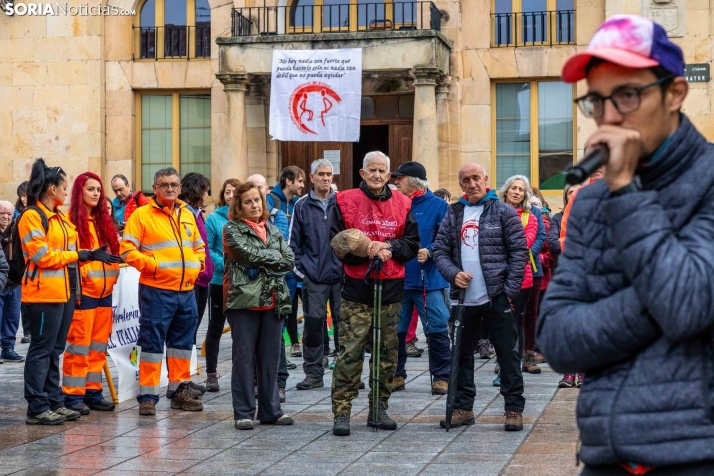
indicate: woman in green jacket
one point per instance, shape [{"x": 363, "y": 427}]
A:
[{"x": 255, "y": 299}]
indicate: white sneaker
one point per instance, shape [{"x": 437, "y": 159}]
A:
[{"x": 244, "y": 424}]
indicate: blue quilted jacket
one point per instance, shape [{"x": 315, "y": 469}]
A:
[{"x": 632, "y": 305}]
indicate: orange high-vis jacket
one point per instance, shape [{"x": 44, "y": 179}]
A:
[
  {"x": 98, "y": 279},
  {"x": 167, "y": 249},
  {"x": 46, "y": 278}
]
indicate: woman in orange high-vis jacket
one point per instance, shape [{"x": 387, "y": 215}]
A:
[
  {"x": 49, "y": 245},
  {"x": 85, "y": 355}
]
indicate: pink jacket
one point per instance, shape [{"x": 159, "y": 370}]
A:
[{"x": 531, "y": 230}]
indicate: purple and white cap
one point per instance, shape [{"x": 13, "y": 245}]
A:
[{"x": 627, "y": 40}]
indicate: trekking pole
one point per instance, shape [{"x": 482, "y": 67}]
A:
[
  {"x": 376, "y": 266},
  {"x": 456, "y": 334},
  {"x": 426, "y": 328}
]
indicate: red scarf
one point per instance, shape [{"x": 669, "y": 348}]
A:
[
  {"x": 418, "y": 193},
  {"x": 259, "y": 228}
]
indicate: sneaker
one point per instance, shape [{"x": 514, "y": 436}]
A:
[
  {"x": 212, "y": 382},
  {"x": 46, "y": 418},
  {"x": 568, "y": 381},
  {"x": 281, "y": 394},
  {"x": 440, "y": 387},
  {"x": 325, "y": 363},
  {"x": 491, "y": 350},
  {"x": 244, "y": 424},
  {"x": 332, "y": 364},
  {"x": 295, "y": 350},
  {"x": 283, "y": 420},
  {"x": 483, "y": 349},
  {"x": 539, "y": 359},
  {"x": 514, "y": 421},
  {"x": 25, "y": 339},
  {"x": 497, "y": 380},
  {"x": 80, "y": 407},
  {"x": 383, "y": 422},
  {"x": 310, "y": 382},
  {"x": 290, "y": 365},
  {"x": 102, "y": 405},
  {"x": 529, "y": 365},
  {"x": 362, "y": 386},
  {"x": 11, "y": 356},
  {"x": 581, "y": 378},
  {"x": 413, "y": 351},
  {"x": 196, "y": 390},
  {"x": 69, "y": 415},
  {"x": 147, "y": 408},
  {"x": 398, "y": 384},
  {"x": 460, "y": 417},
  {"x": 184, "y": 400},
  {"x": 341, "y": 427}
]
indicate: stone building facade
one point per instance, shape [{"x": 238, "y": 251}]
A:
[{"x": 187, "y": 83}]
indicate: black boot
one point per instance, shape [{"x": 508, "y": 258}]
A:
[
  {"x": 383, "y": 421},
  {"x": 341, "y": 426}
]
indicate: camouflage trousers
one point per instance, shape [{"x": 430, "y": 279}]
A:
[{"x": 355, "y": 333}]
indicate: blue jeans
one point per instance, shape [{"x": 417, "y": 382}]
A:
[{"x": 9, "y": 317}]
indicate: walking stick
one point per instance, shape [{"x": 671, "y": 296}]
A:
[
  {"x": 426, "y": 328},
  {"x": 456, "y": 333},
  {"x": 376, "y": 266}
]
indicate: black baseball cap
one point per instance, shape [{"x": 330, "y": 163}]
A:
[{"x": 411, "y": 169}]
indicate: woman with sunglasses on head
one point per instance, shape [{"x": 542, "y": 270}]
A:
[
  {"x": 49, "y": 244},
  {"x": 85, "y": 355}
]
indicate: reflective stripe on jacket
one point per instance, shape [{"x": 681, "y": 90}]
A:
[
  {"x": 167, "y": 250},
  {"x": 46, "y": 278},
  {"x": 98, "y": 279}
]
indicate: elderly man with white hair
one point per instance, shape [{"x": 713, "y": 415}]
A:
[
  {"x": 385, "y": 219},
  {"x": 9, "y": 298}
]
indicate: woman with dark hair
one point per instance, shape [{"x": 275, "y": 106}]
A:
[
  {"x": 257, "y": 256},
  {"x": 21, "y": 201},
  {"x": 112, "y": 213},
  {"x": 49, "y": 241},
  {"x": 194, "y": 191},
  {"x": 91, "y": 325},
  {"x": 216, "y": 318}
]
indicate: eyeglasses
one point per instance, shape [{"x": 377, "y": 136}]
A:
[
  {"x": 166, "y": 186},
  {"x": 626, "y": 100}
]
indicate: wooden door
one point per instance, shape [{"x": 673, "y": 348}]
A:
[
  {"x": 303, "y": 154},
  {"x": 400, "y": 144}
]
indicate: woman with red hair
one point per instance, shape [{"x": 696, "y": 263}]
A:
[{"x": 85, "y": 354}]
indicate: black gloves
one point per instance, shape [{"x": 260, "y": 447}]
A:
[
  {"x": 100, "y": 254},
  {"x": 85, "y": 255}
]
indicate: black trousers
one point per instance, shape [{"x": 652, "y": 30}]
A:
[
  {"x": 292, "y": 323},
  {"x": 25, "y": 316},
  {"x": 201, "y": 301},
  {"x": 314, "y": 301},
  {"x": 49, "y": 326},
  {"x": 696, "y": 469},
  {"x": 216, "y": 324},
  {"x": 519, "y": 309},
  {"x": 256, "y": 345},
  {"x": 504, "y": 337}
]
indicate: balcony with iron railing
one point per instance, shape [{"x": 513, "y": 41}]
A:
[
  {"x": 344, "y": 18},
  {"x": 172, "y": 42},
  {"x": 547, "y": 28}
]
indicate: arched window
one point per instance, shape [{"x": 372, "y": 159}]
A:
[
  {"x": 350, "y": 15},
  {"x": 174, "y": 29}
]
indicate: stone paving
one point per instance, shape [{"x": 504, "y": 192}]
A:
[{"x": 123, "y": 443}]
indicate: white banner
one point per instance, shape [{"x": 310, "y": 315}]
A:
[
  {"x": 316, "y": 95},
  {"x": 122, "y": 346}
]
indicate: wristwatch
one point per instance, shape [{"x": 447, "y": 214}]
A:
[
  {"x": 634, "y": 186},
  {"x": 389, "y": 248}
]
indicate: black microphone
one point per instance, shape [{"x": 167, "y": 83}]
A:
[{"x": 593, "y": 160}]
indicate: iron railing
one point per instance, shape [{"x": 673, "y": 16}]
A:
[
  {"x": 533, "y": 28},
  {"x": 170, "y": 42},
  {"x": 345, "y": 18}
]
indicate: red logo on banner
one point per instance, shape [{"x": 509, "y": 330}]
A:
[{"x": 311, "y": 93}]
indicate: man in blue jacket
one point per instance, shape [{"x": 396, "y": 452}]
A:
[
  {"x": 422, "y": 278},
  {"x": 631, "y": 300},
  {"x": 318, "y": 267}
]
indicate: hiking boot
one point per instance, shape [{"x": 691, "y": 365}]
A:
[
  {"x": 281, "y": 394},
  {"x": 46, "y": 418},
  {"x": 212, "y": 382},
  {"x": 514, "y": 421},
  {"x": 497, "y": 380},
  {"x": 325, "y": 363},
  {"x": 290, "y": 365},
  {"x": 581, "y": 378},
  {"x": 383, "y": 421},
  {"x": 295, "y": 350},
  {"x": 244, "y": 424},
  {"x": 341, "y": 426},
  {"x": 398, "y": 384},
  {"x": 11, "y": 356},
  {"x": 102, "y": 405},
  {"x": 80, "y": 407},
  {"x": 529, "y": 365},
  {"x": 184, "y": 400},
  {"x": 440, "y": 387},
  {"x": 460, "y": 417},
  {"x": 196, "y": 390},
  {"x": 362, "y": 386},
  {"x": 539, "y": 359},
  {"x": 568, "y": 381},
  {"x": 283, "y": 420},
  {"x": 25, "y": 339},
  {"x": 69, "y": 415},
  {"x": 413, "y": 350},
  {"x": 310, "y": 382},
  {"x": 483, "y": 349},
  {"x": 497, "y": 368},
  {"x": 147, "y": 408}
]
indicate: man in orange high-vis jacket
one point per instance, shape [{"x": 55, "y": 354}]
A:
[{"x": 161, "y": 240}]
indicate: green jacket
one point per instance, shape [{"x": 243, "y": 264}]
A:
[{"x": 243, "y": 249}]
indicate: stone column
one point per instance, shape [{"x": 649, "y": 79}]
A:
[
  {"x": 235, "y": 162},
  {"x": 425, "y": 143},
  {"x": 255, "y": 101}
]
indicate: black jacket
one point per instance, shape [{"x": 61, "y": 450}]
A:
[
  {"x": 310, "y": 240},
  {"x": 501, "y": 244},
  {"x": 632, "y": 305},
  {"x": 404, "y": 249},
  {"x": 554, "y": 235}
]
